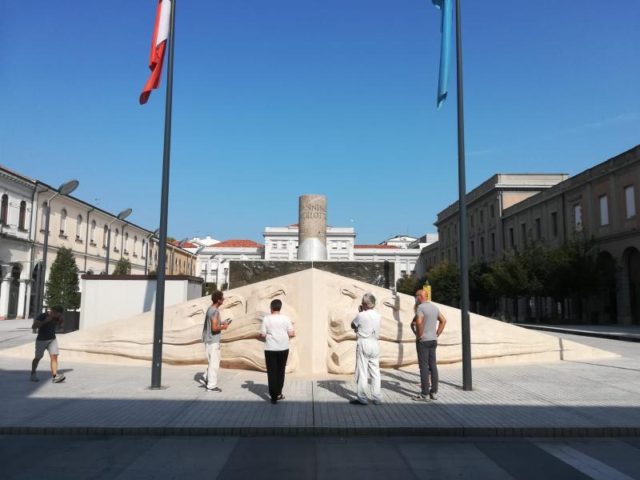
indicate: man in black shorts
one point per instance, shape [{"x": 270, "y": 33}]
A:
[{"x": 46, "y": 324}]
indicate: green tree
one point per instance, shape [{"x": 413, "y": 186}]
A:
[
  {"x": 123, "y": 267},
  {"x": 409, "y": 284},
  {"x": 445, "y": 283},
  {"x": 62, "y": 286}
]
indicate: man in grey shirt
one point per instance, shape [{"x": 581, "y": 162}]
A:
[
  {"x": 427, "y": 324},
  {"x": 211, "y": 331}
]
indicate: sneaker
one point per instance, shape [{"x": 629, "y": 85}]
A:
[
  {"x": 214, "y": 389},
  {"x": 34, "y": 378},
  {"x": 58, "y": 378},
  {"x": 433, "y": 396},
  {"x": 355, "y": 401},
  {"x": 202, "y": 381},
  {"x": 280, "y": 397},
  {"x": 377, "y": 402},
  {"x": 420, "y": 398},
  {"x": 274, "y": 401}
]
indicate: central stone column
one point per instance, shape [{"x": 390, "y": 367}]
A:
[{"x": 312, "y": 227}]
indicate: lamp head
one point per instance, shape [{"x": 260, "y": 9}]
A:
[
  {"x": 68, "y": 187},
  {"x": 124, "y": 214}
]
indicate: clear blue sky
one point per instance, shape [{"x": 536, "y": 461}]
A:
[{"x": 273, "y": 99}]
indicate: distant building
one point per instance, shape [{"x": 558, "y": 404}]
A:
[{"x": 213, "y": 260}]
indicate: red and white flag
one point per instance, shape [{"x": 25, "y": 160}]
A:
[{"x": 158, "y": 44}]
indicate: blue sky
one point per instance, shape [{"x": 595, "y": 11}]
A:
[{"x": 286, "y": 97}]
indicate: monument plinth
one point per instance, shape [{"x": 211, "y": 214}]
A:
[{"x": 312, "y": 227}]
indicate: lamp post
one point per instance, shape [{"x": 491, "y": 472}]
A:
[
  {"x": 64, "y": 189},
  {"x": 146, "y": 255},
  {"x": 121, "y": 216}
]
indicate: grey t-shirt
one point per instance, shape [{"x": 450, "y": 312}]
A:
[
  {"x": 430, "y": 313},
  {"x": 207, "y": 335}
]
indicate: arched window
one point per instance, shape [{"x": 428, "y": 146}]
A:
[
  {"x": 126, "y": 243},
  {"x": 115, "y": 240},
  {"x": 135, "y": 245},
  {"x": 43, "y": 216},
  {"x": 22, "y": 220},
  {"x": 4, "y": 210},
  {"x": 63, "y": 221},
  {"x": 143, "y": 254},
  {"x": 79, "y": 227},
  {"x": 105, "y": 236},
  {"x": 92, "y": 236}
]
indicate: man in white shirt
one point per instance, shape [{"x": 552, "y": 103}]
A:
[
  {"x": 276, "y": 331},
  {"x": 367, "y": 328}
]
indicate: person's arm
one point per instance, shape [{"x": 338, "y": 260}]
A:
[
  {"x": 355, "y": 323},
  {"x": 442, "y": 321},
  {"x": 413, "y": 324},
  {"x": 40, "y": 323},
  {"x": 419, "y": 325},
  {"x": 290, "y": 331},
  {"x": 216, "y": 324}
]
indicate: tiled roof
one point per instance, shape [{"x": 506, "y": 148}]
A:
[
  {"x": 237, "y": 243},
  {"x": 375, "y": 246}
]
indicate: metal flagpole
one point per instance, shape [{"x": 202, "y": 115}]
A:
[
  {"x": 156, "y": 368},
  {"x": 464, "y": 238}
]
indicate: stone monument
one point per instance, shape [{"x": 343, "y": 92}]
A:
[{"x": 312, "y": 227}]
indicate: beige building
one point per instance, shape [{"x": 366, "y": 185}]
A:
[
  {"x": 485, "y": 206},
  {"x": 600, "y": 203}
]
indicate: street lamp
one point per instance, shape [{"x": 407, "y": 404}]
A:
[
  {"x": 64, "y": 189},
  {"x": 121, "y": 216},
  {"x": 146, "y": 255}
]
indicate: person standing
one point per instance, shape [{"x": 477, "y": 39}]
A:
[
  {"x": 211, "y": 333},
  {"x": 45, "y": 324},
  {"x": 367, "y": 328},
  {"x": 276, "y": 330},
  {"x": 427, "y": 324}
]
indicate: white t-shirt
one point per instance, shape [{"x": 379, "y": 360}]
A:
[
  {"x": 367, "y": 324},
  {"x": 275, "y": 329}
]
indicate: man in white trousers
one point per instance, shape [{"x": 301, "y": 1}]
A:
[
  {"x": 367, "y": 328},
  {"x": 211, "y": 332}
]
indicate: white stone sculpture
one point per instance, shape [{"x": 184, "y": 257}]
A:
[{"x": 321, "y": 306}]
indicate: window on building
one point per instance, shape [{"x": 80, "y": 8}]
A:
[
  {"x": 511, "y": 238},
  {"x": 116, "y": 234},
  {"x": 105, "y": 236},
  {"x": 493, "y": 242},
  {"x": 523, "y": 233},
  {"x": 92, "y": 233},
  {"x": 481, "y": 216},
  {"x": 473, "y": 249},
  {"x": 492, "y": 211},
  {"x": 604, "y": 210},
  {"x": 577, "y": 217},
  {"x": 22, "y": 219},
  {"x": 43, "y": 216},
  {"x": 630, "y": 201},
  {"x": 79, "y": 227},
  {"x": 126, "y": 242},
  {"x": 482, "y": 246},
  {"x": 538, "y": 229},
  {"x": 554, "y": 223},
  {"x": 135, "y": 245},
  {"x": 63, "y": 221},
  {"x": 471, "y": 220},
  {"x": 4, "y": 210}
]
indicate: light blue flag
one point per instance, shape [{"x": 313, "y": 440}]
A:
[{"x": 446, "y": 7}]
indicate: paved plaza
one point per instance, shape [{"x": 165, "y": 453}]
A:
[{"x": 556, "y": 399}]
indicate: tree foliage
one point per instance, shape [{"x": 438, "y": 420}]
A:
[
  {"x": 123, "y": 267},
  {"x": 62, "y": 286},
  {"x": 445, "y": 283}
]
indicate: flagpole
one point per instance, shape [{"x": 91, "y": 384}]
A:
[
  {"x": 464, "y": 238},
  {"x": 156, "y": 367}
]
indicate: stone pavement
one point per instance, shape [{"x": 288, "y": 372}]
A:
[
  {"x": 598, "y": 398},
  {"x": 629, "y": 333}
]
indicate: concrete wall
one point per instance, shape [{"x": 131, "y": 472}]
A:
[{"x": 107, "y": 298}]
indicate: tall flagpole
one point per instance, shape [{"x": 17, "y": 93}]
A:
[
  {"x": 156, "y": 367},
  {"x": 464, "y": 238}
]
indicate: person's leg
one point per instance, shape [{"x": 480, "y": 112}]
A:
[
  {"x": 213, "y": 354},
  {"x": 362, "y": 373},
  {"x": 374, "y": 372},
  {"x": 39, "y": 353},
  {"x": 433, "y": 367},
  {"x": 282, "y": 365},
  {"x": 54, "y": 365},
  {"x": 271, "y": 361},
  {"x": 423, "y": 363}
]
